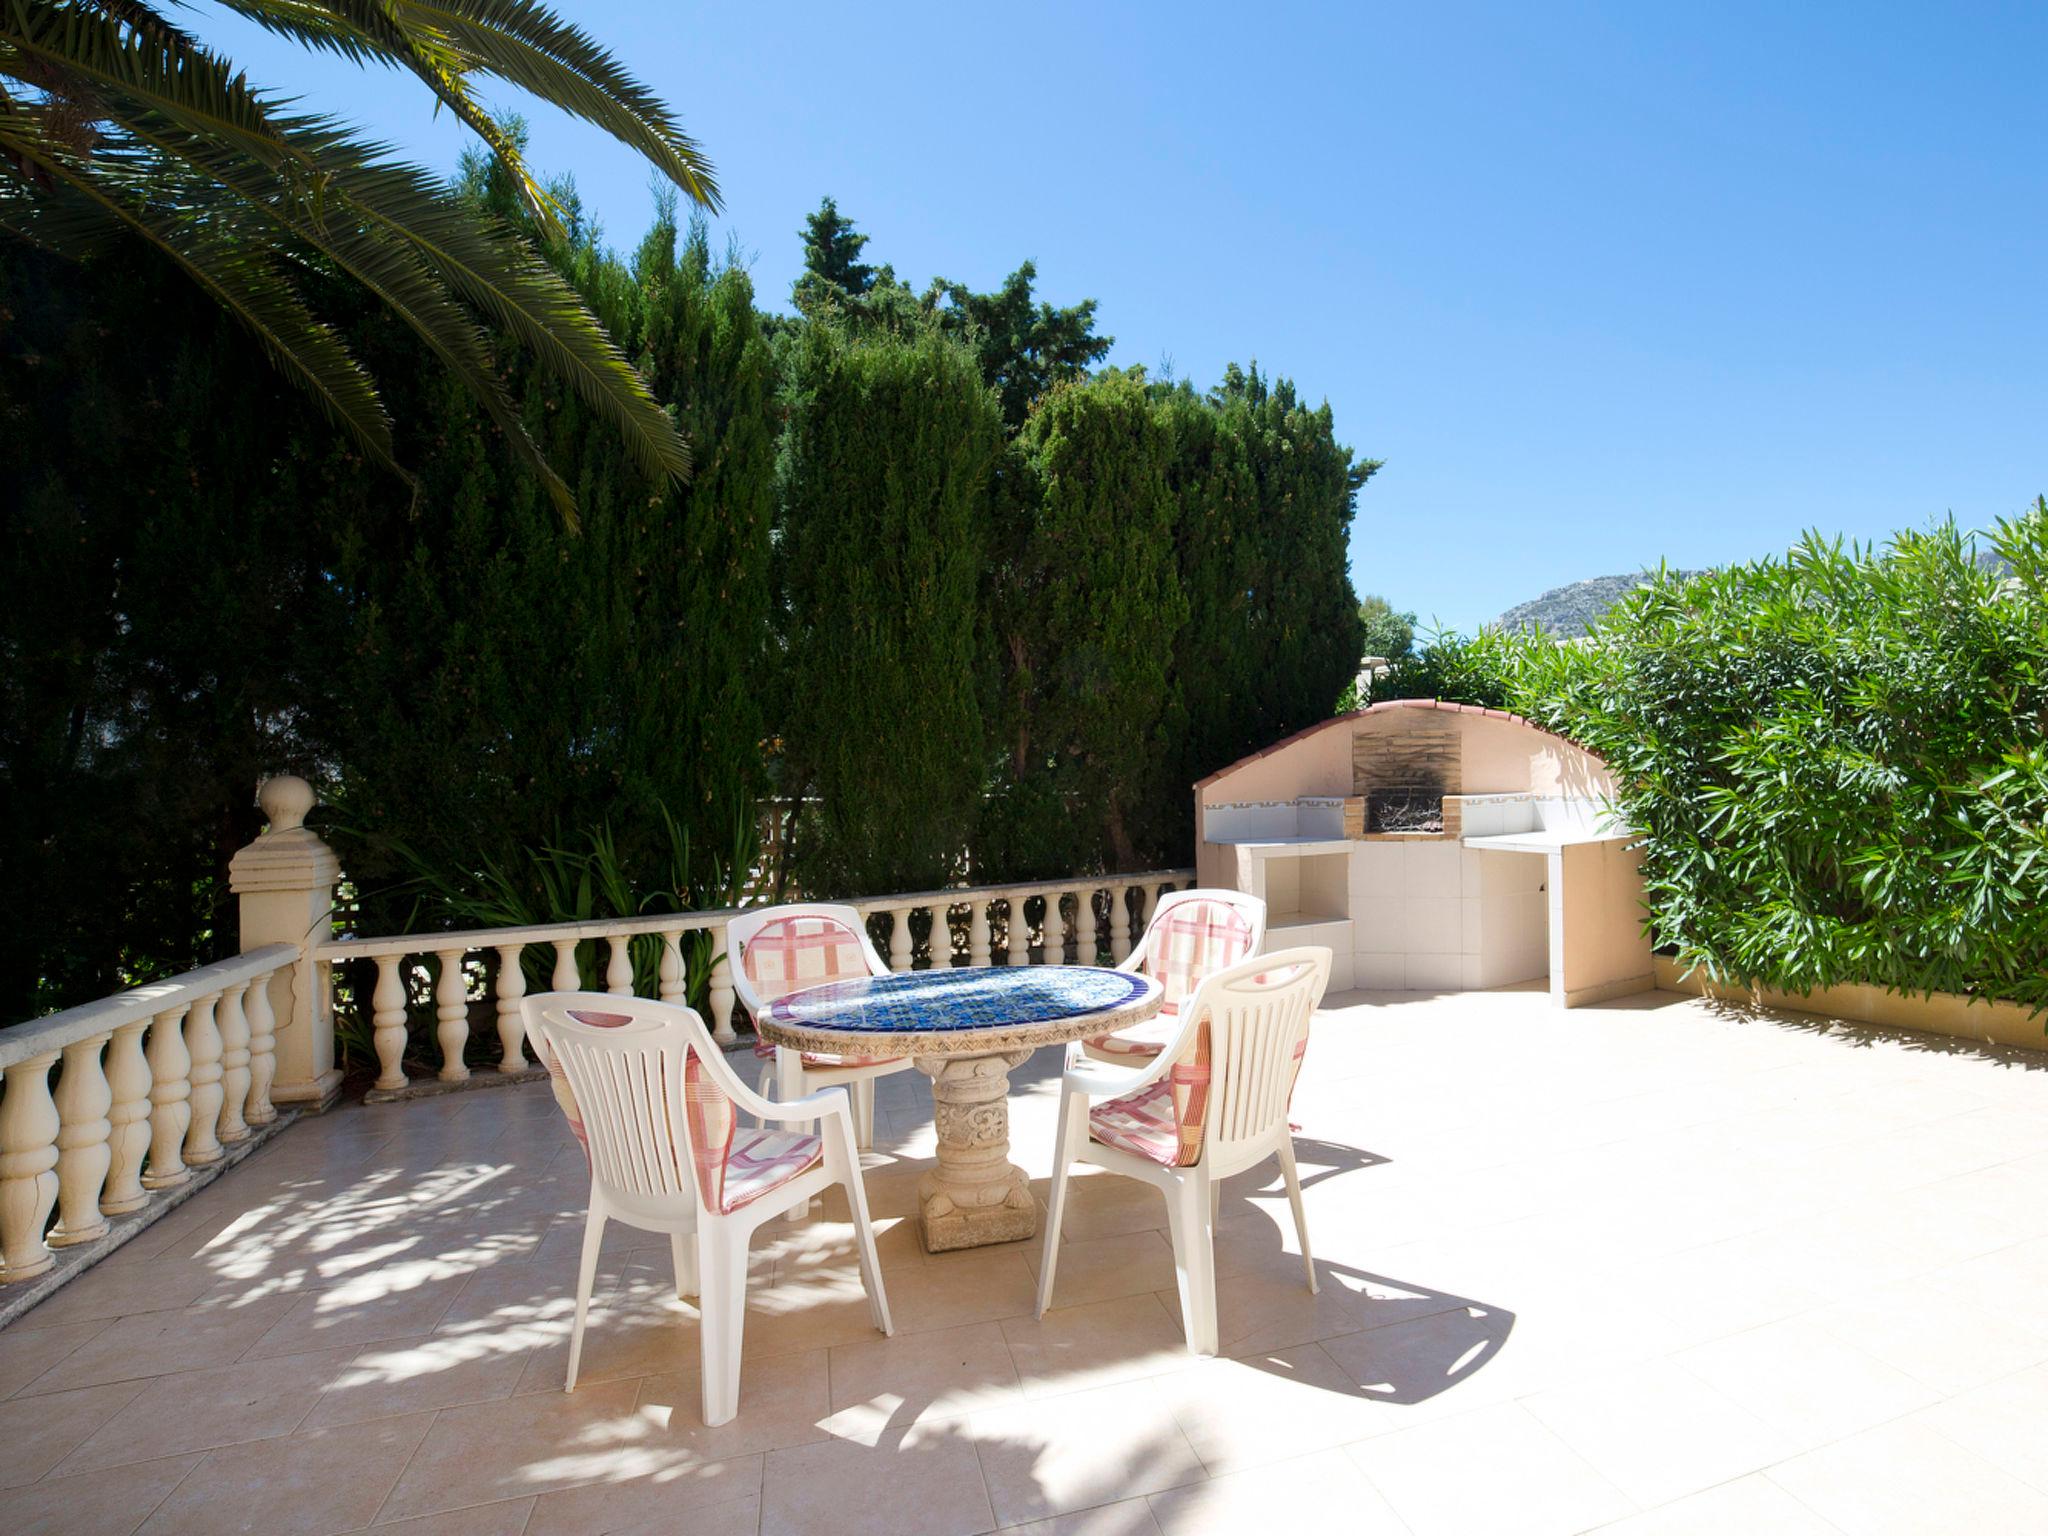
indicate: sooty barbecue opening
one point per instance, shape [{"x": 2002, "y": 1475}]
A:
[{"x": 1405, "y": 808}]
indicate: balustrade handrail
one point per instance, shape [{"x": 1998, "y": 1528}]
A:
[
  {"x": 54, "y": 1031},
  {"x": 430, "y": 940}
]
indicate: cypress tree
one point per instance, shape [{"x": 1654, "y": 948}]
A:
[
  {"x": 601, "y": 677},
  {"x": 888, "y": 455},
  {"x": 1091, "y": 606}
]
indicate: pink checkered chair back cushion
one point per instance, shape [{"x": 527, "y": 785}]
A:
[
  {"x": 791, "y": 953},
  {"x": 1192, "y": 942},
  {"x": 787, "y": 954}
]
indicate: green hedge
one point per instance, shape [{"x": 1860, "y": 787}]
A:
[
  {"x": 1839, "y": 759},
  {"x": 972, "y": 644},
  {"x": 889, "y": 461}
]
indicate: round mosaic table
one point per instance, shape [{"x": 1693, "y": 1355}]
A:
[{"x": 965, "y": 1030}]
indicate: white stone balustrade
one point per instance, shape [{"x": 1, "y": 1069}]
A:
[
  {"x": 614, "y": 941},
  {"x": 155, "y": 1083},
  {"x": 149, "y": 1083}
]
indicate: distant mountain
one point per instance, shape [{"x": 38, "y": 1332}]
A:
[{"x": 1565, "y": 613}]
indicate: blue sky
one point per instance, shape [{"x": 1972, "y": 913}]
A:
[{"x": 1601, "y": 285}]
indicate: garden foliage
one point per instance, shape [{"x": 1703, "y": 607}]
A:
[
  {"x": 1838, "y": 759},
  {"x": 888, "y": 459},
  {"x": 980, "y": 614}
]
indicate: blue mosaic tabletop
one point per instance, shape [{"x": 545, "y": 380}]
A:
[{"x": 945, "y": 1001}]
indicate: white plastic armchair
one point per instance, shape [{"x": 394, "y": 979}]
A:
[
  {"x": 773, "y": 951},
  {"x": 1192, "y": 935},
  {"x": 1210, "y": 1105},
  {"x": 650, "y": 1096}
]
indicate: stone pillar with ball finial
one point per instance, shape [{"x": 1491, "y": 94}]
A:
[{"x": 286, "y": 880}]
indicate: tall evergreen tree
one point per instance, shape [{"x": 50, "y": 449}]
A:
[
  {"x": 580, "y": 680},
  {"x": 833, "y": 271},
  {"x": 1024, "y": 345},
  {"x": 1091, "y": 606},
  {"x": 888, "y": 458}
]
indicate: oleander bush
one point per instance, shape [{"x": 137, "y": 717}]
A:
[{"x": 1838, "y": 759}]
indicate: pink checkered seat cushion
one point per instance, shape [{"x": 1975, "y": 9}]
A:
[
  {"x": 791, "y": 953},
  {"x": 1189, "y": 944},
  {"x": 761, "y": 1161},
  {"x": 736, "y": 1167},
  {"x": 1164, "y": 1122},
  {"x": 733, "y": 1166}
]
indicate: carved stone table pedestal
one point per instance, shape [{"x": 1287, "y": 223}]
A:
[
  {"x": 976, "y": 1195},
  {"x": 964, "y": 1028}
]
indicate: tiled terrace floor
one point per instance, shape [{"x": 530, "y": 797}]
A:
[{"x": 1651, "y": 1267}]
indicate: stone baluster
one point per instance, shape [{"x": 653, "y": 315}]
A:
[
  {"x": 1055, "y": 951},
  {"x": 618, "y": 971},
  {"x": 1020, "y": 931},
  {"x": 900, "y": 950},
  {"x": 566, "y": 977},
  {"x": 977, "y": 931},
  {"x": 170, "y": 1095},
  {"x": 83, "y": 1099},
  {"x": 388, "y": 1021},
  {"x": 127, "y": 1121},
  {"x": 233, "y": 1023},
  {"x": 202, "y": 1039},
  {"x": 941, "y": 941},
  {"x": 451, "y": 1015},
  {"x": 675, "y": 974},
  {"x": 257, "y": 1108},
  {"x": 28, "y": 1161},
  {"x": 1119, "y": 923},
  {"x": 721, "y": 991},
  {"x": 1090, "y": 927},
  {"x": 510, "y": 987}
]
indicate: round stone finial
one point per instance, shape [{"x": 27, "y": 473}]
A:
[{"x": 285, "y": 800}]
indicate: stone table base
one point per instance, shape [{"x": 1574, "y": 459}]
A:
[{"x": 976, "y": 1195}]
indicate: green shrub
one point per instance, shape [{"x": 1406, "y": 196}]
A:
[
  {"x": 1837, "y": 759},
  {"x": 1264, "y": 496}
]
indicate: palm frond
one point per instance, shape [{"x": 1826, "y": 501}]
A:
[
  {"x": 531, "y": 47},
  {"x": 123, "y": 122},
  {"x": 162, "y": 69},
  {"x": 89, "y": 200},
  {"x": 494, "y": 270}
]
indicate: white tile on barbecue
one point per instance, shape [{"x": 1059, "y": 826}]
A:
[
  {"x": 1435, "y": 925},
  {"x": 1375, "y": 870},
  {"x": 1379, "y": 973},
  {"x": 1435, "y": 973},
  {"x": 1430, "y": 868},
  {"x": 1378, "y": 925}
]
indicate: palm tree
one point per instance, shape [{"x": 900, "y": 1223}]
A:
[{"x": 114, "y": 120}]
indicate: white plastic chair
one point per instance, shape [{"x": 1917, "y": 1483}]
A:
[
  {"x": 1192, "y": 935},
  {"x": 650, "y": 1096},
  {"x": 773, "y": 951},
  {"x": 1212, "y": 1104}
]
